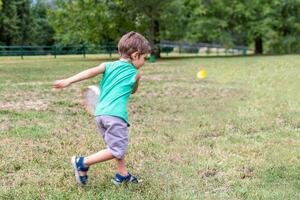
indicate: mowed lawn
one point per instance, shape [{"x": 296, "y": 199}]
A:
[{"x": 234, "y": 135}]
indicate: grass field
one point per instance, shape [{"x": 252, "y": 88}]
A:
[{"x": 234, "y": 135}]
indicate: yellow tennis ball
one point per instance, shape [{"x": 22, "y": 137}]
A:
[{"x": 202, "y": 74}]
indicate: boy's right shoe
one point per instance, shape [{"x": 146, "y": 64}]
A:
[
  {"x": 78, "y": 165},
  {"x": 119, "y": 179}
]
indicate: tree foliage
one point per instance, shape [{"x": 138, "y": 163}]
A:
[
  {"x": 43, "y": 32},
  {"x": 258, "y": 23},
  {"x": 8, "y": 23},
  {"x": 270, "y": 26},
  {"x": 90, "y": 21},
  {"x": 286, "y": 27},
  {"x": 22, "y": 23}
]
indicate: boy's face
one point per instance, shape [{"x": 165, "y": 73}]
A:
[{"x": 138, "y": 60}]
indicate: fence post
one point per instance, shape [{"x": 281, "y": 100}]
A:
[
  {"x": 207, "y": 50},
  {"x": 180, "y": 49},
  {"x": 109, "y": 49},
  {"x": 83, "y": 49},
  {"x": 21, "y": 52},
  {"x": 54, "y": 51}
]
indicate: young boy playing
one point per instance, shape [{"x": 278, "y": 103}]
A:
[{"x": 119, "y": 80}]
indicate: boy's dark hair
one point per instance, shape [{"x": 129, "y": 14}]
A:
[{"x": 132, "y": 42}]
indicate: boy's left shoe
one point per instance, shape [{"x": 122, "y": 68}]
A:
[{"x": 119, "y": 179}]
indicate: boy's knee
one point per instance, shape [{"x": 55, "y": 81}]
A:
[{"x": 118, "y": 153}]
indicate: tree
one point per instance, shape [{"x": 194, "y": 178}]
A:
[
  {"x": 259, "y": 21},
  {"x": 43, "y": 32},
  {"x": 159, "y": 16},
  {"x": 286, "y": 26},
  {"x": 17, "y": 23},
  {"x": 207, "y": 22},
  {"x": 8, "y": 22},
  {"x": 88, "y": 22},
  {"x": 231, "y": 22},
  {"x": 24, "y": 22}
]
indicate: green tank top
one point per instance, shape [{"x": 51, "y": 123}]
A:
[{"x": 115, "y": 88}]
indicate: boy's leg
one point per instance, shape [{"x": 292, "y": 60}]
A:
[
  {"x": 100, "y": 156},
  {"x": 81, "y": 165},
  {"x": 121, "y": 167},
  {"x": 123, "y": 175},
  {"x": 105, "y": 155}
]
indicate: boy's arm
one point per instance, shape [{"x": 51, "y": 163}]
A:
[
  {"x": 89, "y": 73},
  {"x": 137, "y": 79}
]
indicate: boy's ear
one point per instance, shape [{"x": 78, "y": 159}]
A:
[{"x": 135, "y": 55}]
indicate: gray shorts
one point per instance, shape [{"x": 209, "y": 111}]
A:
[{"x": 114, "y": 132}]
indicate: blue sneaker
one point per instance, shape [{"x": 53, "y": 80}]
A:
[
  {"x": 77, "y": 163},
  {"x": 119, "y": 179}
]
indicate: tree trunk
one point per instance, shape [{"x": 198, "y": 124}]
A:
[
  {"x": 258, "y": 45},
  {"x": 155, "y": 39}
]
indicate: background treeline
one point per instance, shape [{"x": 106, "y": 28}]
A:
[
  {"x": 23, "y": 22},
  {"x": 267, "y": 26}
]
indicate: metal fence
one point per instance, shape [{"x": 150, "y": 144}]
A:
[
  {"x": 204, "y": 48},
  {"x": 167, "y": 48},
  {"x": 56, "y": 50}
]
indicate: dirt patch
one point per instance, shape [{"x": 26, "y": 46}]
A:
[
  {"x": 4, "y": 124},
  {"x": 27, "y": 83},
  {"x": 25, "y": 105},
  {"x": 198, "y": 92},
  {"x": 246, "y": 172},
  {"x": 162, "y": 78},
  {"x": 212, "y": 134},
  {"x": 207, "y": 172}
]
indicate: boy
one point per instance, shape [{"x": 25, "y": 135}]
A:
[{"x": 119, "y": 80}]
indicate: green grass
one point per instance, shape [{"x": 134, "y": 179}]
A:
[{"x": 234, "y": 135}]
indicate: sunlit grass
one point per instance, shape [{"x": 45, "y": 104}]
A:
[{"x": 234, "y": 135}]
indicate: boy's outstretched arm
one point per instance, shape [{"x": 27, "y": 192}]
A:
[
  {"x": 89, "y": 73},
  {"x": 137, "y": 79}
]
